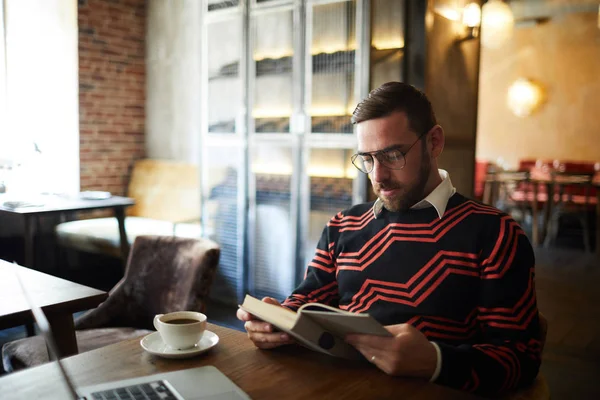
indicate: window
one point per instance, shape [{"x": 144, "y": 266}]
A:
[
  {"x": 39, "y": 121},
  {"x": 2, "y": 78}
]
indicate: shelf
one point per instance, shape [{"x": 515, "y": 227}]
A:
[
  {"x": 340, "y": 61},
  {"x": 220, "y": 5},
  {"x": 336, "y": 124},
  {"x": 378, "y": 56}
]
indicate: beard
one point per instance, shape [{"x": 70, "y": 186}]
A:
[{"x": 407, "y": 195}]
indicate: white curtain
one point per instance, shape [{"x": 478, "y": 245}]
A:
[
  {"x": 40, "y": 128},
  {"x": 3, "y": 110}
]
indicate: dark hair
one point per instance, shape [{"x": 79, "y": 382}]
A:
[{"x": 397, "y": 96}]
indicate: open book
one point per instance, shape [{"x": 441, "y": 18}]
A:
[{"x": 317, "y": 326}]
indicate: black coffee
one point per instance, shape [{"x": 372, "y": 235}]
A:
[{"x": 181, "y": 321}]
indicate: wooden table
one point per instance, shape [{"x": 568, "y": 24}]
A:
[
  {"x": 57, "y": 297},
  {"x": 287, "y": 373},
  {"x": 53, "y": 204}
]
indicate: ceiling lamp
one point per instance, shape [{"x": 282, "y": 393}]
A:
[
  {"x": 497, "y": 23},
  {"x": 524, "y": 97}
]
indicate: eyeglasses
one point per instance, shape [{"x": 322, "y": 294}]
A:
[{"x": 392, "y": 158}]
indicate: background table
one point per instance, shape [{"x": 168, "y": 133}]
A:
[
  {"x": 287, "y": 373},
  {"x": 553, "y": 185},
  {"x": 58, "y": 298},
  {"x": 54, "y": 204}
]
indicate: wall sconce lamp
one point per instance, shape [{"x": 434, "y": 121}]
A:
[
  {"x": 469, "y": 16},
  {"x": 498, "y": 24},
  {"x": 524, "y": 97}
]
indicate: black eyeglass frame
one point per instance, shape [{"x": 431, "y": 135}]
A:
[{"x": 378, "y": 153}]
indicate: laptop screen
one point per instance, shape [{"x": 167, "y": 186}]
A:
[{"x": 44, "y": 327}]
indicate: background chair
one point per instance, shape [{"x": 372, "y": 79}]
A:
[
  {"x": 576, "y": 199},
  {"x": 166, "y": 196},
  {"x": 163, "y": 274}
]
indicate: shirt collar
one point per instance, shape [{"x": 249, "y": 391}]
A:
[{"x": 437, "y": 199}]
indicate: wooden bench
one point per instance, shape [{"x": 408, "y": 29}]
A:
[{"x": 167, "y": 196}]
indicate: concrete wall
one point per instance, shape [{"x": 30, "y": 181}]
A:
[
  {"x": 173, "y": 80},
  {"x": 564, "y": 56}
]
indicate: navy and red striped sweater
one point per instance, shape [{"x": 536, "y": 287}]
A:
[{"x": 466, "y": 281}]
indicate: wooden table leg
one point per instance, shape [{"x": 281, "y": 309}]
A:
[
  {"x": 597, "y": 250},
  {"x": 487, "y": 192},
  {"x": 547, "y": 211},
  {"x": 29, "y": 235},
  {"x": 535, "y": 230},
  {"x": 120, "y": 215},
  {"x": 29, "y": 238},
  {"x": 63, "y": 330}
]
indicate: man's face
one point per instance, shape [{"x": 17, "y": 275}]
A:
[{"x": 398, "y": 189}]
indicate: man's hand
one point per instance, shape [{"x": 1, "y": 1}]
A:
[
  {"x": 262, "y": 333},
  {"x": 407, "y": 353}
]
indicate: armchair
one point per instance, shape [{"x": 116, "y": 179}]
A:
[{"x": 163, "y": 274}]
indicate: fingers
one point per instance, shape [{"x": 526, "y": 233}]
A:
[
  {"x": 372, "y": 342},
  {"x": 269, "y": 340},
  {"x": 381, "y": 359},
  {"x": 399, "y": 329},
  {"x": 264, "y": 337},
  {"x": 243, "y": 315},
  {"x": 263, "y": 334},
  {"x": 258, "y": 326},
  {"x": 271, "y": 300}
]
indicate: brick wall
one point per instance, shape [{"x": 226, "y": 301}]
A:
[{"x": 111, "y": 91}]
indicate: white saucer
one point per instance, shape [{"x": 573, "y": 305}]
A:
[{"x": 154, "y": 344}]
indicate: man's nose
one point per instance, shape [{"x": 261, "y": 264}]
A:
[{"x": 380, "y": 172}]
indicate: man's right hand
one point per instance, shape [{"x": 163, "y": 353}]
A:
[{"x": 261, "y": 333}]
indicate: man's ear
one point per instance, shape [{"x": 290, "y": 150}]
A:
[{"x": 436, "y": 141}]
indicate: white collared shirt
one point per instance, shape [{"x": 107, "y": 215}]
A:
[{"x": 438, "y": 198}]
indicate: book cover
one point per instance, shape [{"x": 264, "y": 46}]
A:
[{"x": 317, "y": 326}]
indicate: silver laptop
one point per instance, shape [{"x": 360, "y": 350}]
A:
[{"x": 203, "y": 383}]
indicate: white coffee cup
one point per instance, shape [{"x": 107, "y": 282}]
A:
[{"x": 182, "y": 329}]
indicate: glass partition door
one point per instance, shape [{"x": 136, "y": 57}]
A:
[{"x": 330, "y": 60}]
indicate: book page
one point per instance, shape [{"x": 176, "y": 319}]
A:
[{"x": 322, "y": 308}]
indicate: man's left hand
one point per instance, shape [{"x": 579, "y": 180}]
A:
[{"x": 407, "y": 353}]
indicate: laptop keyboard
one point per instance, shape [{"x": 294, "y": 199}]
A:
[{"x": 156, "y": 390}]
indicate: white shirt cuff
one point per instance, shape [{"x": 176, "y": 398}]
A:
[{"x": 438, "y": 365}]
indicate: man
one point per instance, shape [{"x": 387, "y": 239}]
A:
[{"x": 452, "y": 279}]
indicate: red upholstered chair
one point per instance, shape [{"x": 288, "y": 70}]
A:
[
  {"x": 481, "y": 171},
  {"x": 527, "y": 165},
  {"x": 163, "y": 274},
  {"x": 578, "y": 167}
]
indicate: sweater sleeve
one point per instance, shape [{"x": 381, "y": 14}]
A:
[
  {"x": 507, "y": 353},
  {"x": 320, "y": 283}
]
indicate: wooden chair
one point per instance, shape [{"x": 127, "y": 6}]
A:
[
  {"x": 167, "y": 202},
  {"x": 163, "y": 274},
  {"x": 575, "y": 197}
]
